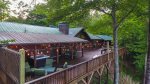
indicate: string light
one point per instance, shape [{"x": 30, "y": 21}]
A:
[{"x": 47, "y": 51}]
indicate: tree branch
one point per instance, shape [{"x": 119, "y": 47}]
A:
[
  {"x": 102, "y": 10},
  {"x": 127, "y": 14}
]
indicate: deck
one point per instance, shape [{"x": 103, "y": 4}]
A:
[
  {"x": 87, "y": 55},
  {"x": 79, "y": 71},
  {"x": 82, "y": 67}
]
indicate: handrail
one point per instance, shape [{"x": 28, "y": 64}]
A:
[{"x": 78, "y": 70}]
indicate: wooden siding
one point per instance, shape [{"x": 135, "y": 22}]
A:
[{"x": 9, "y": 66}]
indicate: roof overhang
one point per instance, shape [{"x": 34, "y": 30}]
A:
[{"x": 31, "y": 38}]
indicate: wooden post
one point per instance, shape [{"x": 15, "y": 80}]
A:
[
  {"x": 107, "y": 73},
  {"x": 22, "y": 66},
  {"x": 35, "y": 52},
  {"x": 57, "y": 52},
  {"x": 72, "y": 52},
  {"x": 81, "y": 49},
  {"x": 108, "y": 49},
  {"x": 82, "y": 52}
]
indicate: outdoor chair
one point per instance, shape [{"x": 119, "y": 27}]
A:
[
  {"x": 33, "y": 71},
  {"x": 75, "y": 54},
  {"x": 28, "y": 69},
  {"x": 49, "y": 66},
  {"x": 67, "y": 54}
]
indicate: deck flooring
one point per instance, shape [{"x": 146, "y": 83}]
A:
[{"x": 87, "y": 55}]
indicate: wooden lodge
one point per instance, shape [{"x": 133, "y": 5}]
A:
[{"x": 70, "y": 51}]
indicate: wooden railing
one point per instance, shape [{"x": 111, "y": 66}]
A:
[
  {"x": 68, "y": 75},
  {"x": 9, "y": 65}
]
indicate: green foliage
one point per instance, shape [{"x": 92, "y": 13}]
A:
[
  {"x": 38, "y": 16},
  {"x": 126, "y": 79},
  {"x": 3, "y": 8},
  {"x": 15, "y": 19},
  {"x": 102, "y": 25},
  {"x": 132, "y": 35},
  {"x": 7, "y": 41}
]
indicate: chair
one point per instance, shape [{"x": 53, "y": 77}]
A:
[
  {"x": 34, "y": 71},
  {"x": 49, "y": 62},
  {"x": 68, "y": 54},
  {"x": 49, "y": 66},
  {"x": 27, "y": 68},
  {"x": 75, "y": 54},
  {"x": 40, "y": 72}
]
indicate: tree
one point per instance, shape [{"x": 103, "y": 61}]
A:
[
  {"x": 147, "y": 73},
  {"x": 3, "y": 7},
  {"x": 38, "y": 16},
  {"x": 78, "y": 10},
  {"x": 118, "y": 10}
]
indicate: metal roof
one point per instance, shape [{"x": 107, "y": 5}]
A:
[
  {"x": 25, "y": 28},
  {"x": 32, "y": 38},
  {"x": 100, "y": 37},
  {"x": 74, "y": 31},
  {"x": 94, "y": 37},
  {"x": 105, "y": 37}
]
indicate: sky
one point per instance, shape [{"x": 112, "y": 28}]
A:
[{"x": 13, "y": 6}]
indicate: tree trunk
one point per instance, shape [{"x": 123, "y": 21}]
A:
[
  {"x": 116, "y": 65},
  {"x": 115, "y": 38},
  {"x": 147, "y": 75}
]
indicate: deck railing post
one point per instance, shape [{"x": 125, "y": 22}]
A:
[
  {"x": 108, "y": 49},
  {"x": 65, "y": 76},
  {"x": 22, "y": 66}
]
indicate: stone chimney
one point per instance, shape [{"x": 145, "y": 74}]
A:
[{"x": 64, "y": 28}]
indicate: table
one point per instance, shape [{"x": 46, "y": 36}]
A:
[{"x": 40, "y": 61}]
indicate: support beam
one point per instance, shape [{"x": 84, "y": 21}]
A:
[
  {"x": 22, "y": 66},
  {"x": 108, "y": 49},
  {"x": 82, "y": 52},
  {"x": 90, "y": 78},
  {"x": 72, "y": 52},
  {"x": 57, "y": 55},
  {"x": 101, "y": 70},
  {"x": 35, "y": 52},
  {"x": 98, "y": 72},
  {"x": 84, "y": 81},
  {"x": 107, "y": 74}
]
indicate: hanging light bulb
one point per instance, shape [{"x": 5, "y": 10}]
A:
[
  {"x": 47, "y": 51},
  {"x": 57, "y": 50}
]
